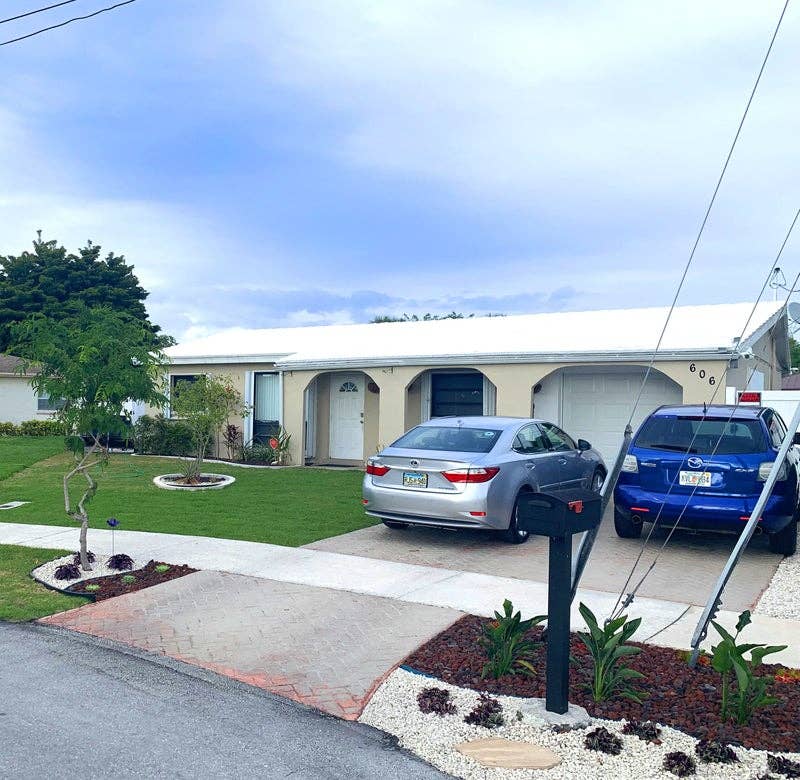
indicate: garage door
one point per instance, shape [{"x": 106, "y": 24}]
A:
[{"x": 595, "y": 404}]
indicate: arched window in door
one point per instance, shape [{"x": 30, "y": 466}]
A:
[{"x": 348, "y": 387}]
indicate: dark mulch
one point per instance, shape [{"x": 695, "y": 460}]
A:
[
  {"x": 687, "y": 699},
  {"x": 115, "y": 584}
]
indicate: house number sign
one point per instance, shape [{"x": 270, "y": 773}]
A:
[{"x": 702, "y": 374}]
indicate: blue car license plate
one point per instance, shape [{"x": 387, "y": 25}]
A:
[{"x": 415, "y": 479}]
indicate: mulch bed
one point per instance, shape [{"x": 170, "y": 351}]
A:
[
  {"x": 687, "y": 699},
  {"x": 115, "y": 584}
]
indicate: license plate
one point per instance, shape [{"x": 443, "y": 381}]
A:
[
  {"x": 695, "y": 478},
  {"x": 415, "y": 479}
]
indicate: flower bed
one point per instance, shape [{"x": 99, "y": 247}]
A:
[
  {"x": 153, "y": 573},
  {"x": 200, "y": 482},
  {"x": 687, "y": 699}
]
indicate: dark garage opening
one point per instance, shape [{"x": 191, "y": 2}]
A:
[{"x": 456, "y": 394}]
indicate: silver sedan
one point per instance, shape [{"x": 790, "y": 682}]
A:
[{"x": 468, "y": 472}]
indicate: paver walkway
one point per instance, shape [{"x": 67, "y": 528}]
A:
[{"x": 325, "y": 648}]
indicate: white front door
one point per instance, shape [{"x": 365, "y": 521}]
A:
[{"x": 347, "y": 416}]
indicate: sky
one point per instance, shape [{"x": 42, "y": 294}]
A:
[{"x": 291, "y": 163}]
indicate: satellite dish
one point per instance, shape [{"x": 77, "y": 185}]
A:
[{"x": 794, "y": 312}]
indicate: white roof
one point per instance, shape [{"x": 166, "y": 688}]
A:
[{"x": 562, "y": 336}]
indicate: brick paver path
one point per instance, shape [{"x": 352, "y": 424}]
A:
[{"x": 325, "y": 648}]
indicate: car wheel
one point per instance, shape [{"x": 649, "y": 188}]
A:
[
  {"x": 513, "y": 534},
  {"x": 625, "y": 527},
  {"x": 598, "y": 478},
  {"x": 394, "y": 525},
  {"x": 784, "y": 542}
]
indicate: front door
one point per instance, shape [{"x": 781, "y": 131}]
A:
[{"x": 347, "y": 417}]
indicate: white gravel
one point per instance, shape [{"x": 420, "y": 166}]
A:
[
  {"x": 394, "y": 709},
  {"x": 46, "y": 572},
  {"x": 781, "y": 599}
]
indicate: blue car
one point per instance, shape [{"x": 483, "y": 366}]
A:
[{"x": 670, "y": 464}]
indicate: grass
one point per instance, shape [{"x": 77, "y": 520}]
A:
[
  {"x": 19, "y": 452},
  {"x": 21, "y": 598},
  {"x": 291, "y": 507}
]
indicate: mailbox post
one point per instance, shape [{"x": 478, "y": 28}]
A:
[{"x": 559, "y": 515}]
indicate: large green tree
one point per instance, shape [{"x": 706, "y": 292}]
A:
[
  {"x": 94, "y": 361},
  {"x": 54, "y": 284}
]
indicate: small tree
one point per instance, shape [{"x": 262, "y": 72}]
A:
[
  {"x": 206, "y": 404},
  {"x": 94, "y": 362}
]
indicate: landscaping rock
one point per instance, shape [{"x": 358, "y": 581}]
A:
[{"x": 508, "y": 754}]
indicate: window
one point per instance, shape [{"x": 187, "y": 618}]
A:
[
  {"x": 266, "y": 406},
  {"x": 777, "y": 430},
  {"x": 696, "y": 435},
  {"x": 349, "y": 387},
  {"x": 559, "y": 441},
  {"x": 177, "y": 379},
  {"x": 456, "y": 394},
  {"x": 46, "y": 404},
  {"x": 531, "y": 441},
  {"x": 434, "y": 437}
]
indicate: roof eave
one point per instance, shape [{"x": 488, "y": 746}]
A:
[{"x": 185, "y": 360}]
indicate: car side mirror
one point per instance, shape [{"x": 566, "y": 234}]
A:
[{"x": 584, "y": 445}]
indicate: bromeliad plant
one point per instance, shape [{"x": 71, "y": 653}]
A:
[
  {"x": 728, "y": 658},
  {"x": 504, "y": 640},
  {"x": 607, "y": 648}
]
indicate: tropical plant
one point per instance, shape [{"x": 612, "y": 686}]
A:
[
  {"x": 728, "y": 658},
  {"x": 205, "y": 406},
  {"x": 505, "y": 644},
  {"x": 607, "y": 648},
  {"x": 96, "y": 361},
  {"x": 120, "y": 562},
  {"x": 232, "y": 436},
  {"x": 67, "y": 571}
]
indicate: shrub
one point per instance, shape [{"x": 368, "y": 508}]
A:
[
  {"x": 128, "y": 579},
  {"x": 607, "y": 648},
  {"x": 505, "y": 644},
  {"x": 232, "y": 436},
  {"x": 647, "y": 731},
  {"x": 602, "y": 740},
  {"x": 436, "y": 700},
  {"x": 32, "y": 428},
  {"x": 728, "y": 658},
  {"x": 256, "y": 452},
  {"x": 783, "y": 766},
  {"x": 76, "y": 559},
  {"x": 120, "y": 562},
  {"x": 160, "y": 436},
  {"x": 67, "y": 571},
  {"x": 93, "y": 587},
  {"x": 712, "y": 752},
  {"x": 488, "y": 712},
  {"x": 680, "y": 764},
  {"x": 161, "y": 568}
]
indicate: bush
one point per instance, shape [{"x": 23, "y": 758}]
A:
[
  {"x": 709, "y": 751},
  {"x": 76, "y": 559},
  {"x": 679, "y": 764},
  {"x": 32, "y": 428},
  {"x": 488, "y": 712},
  {"x": 256, "y": 452},
  {"x": 647, "y": 731},
  {"x": 505, "y": 644},
  {"x": 160, "y": 436},
  {"x": 67, "y": 571},
  {"x": 602, "y": 740},
  {"x": 120, "y": 562},
  {"x": 436, "y": 700}
]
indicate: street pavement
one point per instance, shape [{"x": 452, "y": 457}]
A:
[{"x": 72, "y": 706}]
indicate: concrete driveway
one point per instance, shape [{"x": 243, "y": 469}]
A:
[{"x": 686, "y": 571}]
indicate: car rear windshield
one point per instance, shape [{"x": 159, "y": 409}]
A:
[
  {"x": 704, "y": 436},
  {"x": 435, "y": 437}
]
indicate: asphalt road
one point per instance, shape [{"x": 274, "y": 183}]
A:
[{"x": 72, "y": 706}]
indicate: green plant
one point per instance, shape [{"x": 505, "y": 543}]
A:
[
  {"x": 607, "y": 648},
  {"x": 93, "y": 587},
  {"x": 162, "y": 567},
  {"x": 728, "y": 658},
  {"x": 32, "y": 428},
  {"x": 505, "y": 644},
  {"x": 160, "y": 436},
  {"x": 602, "y": 740},
  {"x": 128, "y": 579}
]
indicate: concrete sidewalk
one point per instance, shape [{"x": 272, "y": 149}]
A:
[{"x": 479, "y": 594}]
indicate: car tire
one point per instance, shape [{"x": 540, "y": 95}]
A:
[
  {"x": 512, "y": 534},
  {"x": 394, "y": 525},
  {"x": 625, "y": 527},
  {"x": 784, "y": 542},
  {"x": 598, "y": 478}
]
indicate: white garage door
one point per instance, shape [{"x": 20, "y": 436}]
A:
[{"x": 596, "y": 403}]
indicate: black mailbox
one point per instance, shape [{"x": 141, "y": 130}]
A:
[{"x": 559, "y": 512}]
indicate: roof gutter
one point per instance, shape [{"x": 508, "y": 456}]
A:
[{"x": 187, "y": 360}]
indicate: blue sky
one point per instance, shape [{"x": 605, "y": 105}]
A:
[{"x": 290, "y": 163}]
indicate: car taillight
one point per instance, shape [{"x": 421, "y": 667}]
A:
[
  {"x": 471, "y": 475},
  {"x": 377, "y": 469},
  {"x": 765, "y": 468},
  {"x": 630, "y": 464}
]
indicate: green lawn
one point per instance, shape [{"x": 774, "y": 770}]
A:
[
  {"x": 22, "y": 598},
  {"x": 292, "y": 506},
  {"x": 19, "y": 452}
]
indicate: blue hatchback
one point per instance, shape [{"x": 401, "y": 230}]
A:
[{"x": 670, "y": 473}]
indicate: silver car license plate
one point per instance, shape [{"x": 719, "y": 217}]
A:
[{"x": 415, "y": 479}]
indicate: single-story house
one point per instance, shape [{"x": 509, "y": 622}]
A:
[
  {"x": 345, "y": 391},
  {"x": 18, "y": 400}
]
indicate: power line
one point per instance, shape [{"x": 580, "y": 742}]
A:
[
  {"x": 708, "y": 212},
  {"x": 68, "y": 21},
  {"x": 37, "y": 11}
]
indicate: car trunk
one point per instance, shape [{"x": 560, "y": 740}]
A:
[
  {"x": 423, "y": 473},
  {"x": 661, "y": 471}
]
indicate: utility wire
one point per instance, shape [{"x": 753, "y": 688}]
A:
[
  {"x": 620, "y": 605},
  {"x": 708, "y": 212},
  {"x": 37, "y": 11},
  {"x": 68, "y": 21}
]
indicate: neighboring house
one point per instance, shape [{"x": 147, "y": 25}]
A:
[
  {"x": 18, "y": 400},
  {"x": 344, "y": 391}
]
